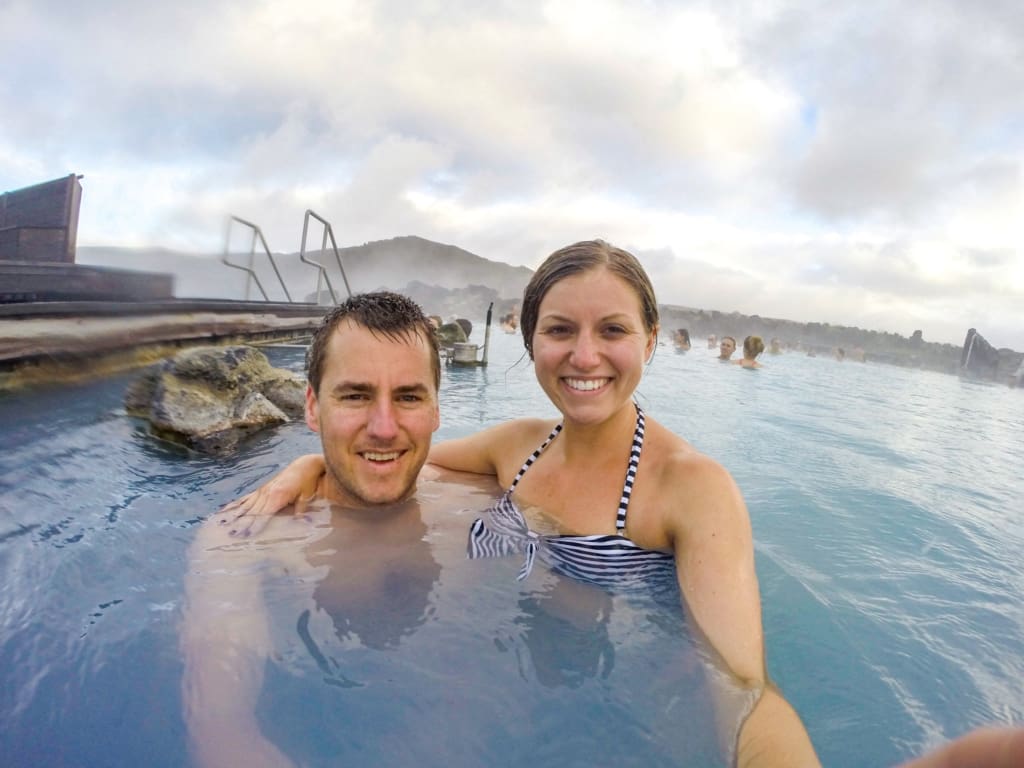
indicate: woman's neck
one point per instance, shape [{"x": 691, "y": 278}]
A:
[{"x": 585, "y": 442}]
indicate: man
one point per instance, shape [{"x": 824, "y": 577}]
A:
[
  {"x": 374, "y": 373},
  {"x": 726, "y": 348}
]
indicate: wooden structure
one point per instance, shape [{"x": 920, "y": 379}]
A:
[
  {"x": 26, "y": 281},
  {"x": 38, "y": 234},
  {"x": 39, "y": 224}
]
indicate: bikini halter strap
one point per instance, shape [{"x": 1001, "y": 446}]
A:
[{"x": 634, "y": 462}]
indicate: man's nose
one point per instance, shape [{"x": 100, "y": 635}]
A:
[{"x": 383, "y": 422}]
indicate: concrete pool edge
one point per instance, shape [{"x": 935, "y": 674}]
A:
[{"x": 54, "y": 342}]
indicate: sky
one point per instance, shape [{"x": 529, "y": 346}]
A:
[{"x": 856, "y": 163}]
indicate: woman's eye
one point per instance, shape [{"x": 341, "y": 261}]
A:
[{"x": 557, "y": 330}]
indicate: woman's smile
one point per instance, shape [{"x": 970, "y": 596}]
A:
[{"x": 586, "y": 385}]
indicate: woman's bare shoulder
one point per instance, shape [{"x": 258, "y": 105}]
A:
[
  {"x": 520, "y": 437},
  {"x": 673, "y": 454},
  {"x": 515, "y": 434},
  {"x": 692, "y": 486},
  {"x": 492, "y": 450}
]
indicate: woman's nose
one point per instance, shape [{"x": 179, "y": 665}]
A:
[{"x": 585, "y": 352}]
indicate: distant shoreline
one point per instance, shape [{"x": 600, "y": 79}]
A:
[{"x": 448, "y": 280}]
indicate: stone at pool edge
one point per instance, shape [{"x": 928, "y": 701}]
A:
[
  {"x": 208, "y": 398},
  {"x": 453, "y": 333}
]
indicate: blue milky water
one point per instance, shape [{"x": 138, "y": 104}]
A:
[{"x": 886, "y": 506}]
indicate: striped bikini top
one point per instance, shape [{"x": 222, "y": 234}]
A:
[{"x": 608, "y": 560}]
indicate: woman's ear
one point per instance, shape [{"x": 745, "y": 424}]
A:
[{"x": 652, "y": 342}]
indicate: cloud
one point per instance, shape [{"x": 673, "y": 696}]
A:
[{"x": 849, "y": 162}]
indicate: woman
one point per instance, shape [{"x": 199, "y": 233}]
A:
[
  {"x": 589, "y": 321},
  {"x": 752, "y": 347},
  {"x": 681, "y": 338}
]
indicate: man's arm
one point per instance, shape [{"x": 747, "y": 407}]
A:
[
  {"x": 225, "y": 641},
  {"x": 297, "y": 485},
  {"x": 983, "y": 748}
]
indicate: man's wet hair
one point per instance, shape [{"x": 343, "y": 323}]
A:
[{"x": 383, "y": 313}]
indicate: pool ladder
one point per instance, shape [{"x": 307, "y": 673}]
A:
[{"x": 257, "y": 236}]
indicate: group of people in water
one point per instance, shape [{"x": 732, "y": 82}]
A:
[
  {"x": 753, "y": 346},
  {"x": 604, "y": 494}
]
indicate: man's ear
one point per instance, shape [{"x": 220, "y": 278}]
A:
[
  {"x": 437, "y": 417},
  {"x": 312, "y": 409}
]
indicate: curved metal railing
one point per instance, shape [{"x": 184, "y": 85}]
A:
[
  {"x": 257, "y": 233},
  {"x": 328, "y": 233}
]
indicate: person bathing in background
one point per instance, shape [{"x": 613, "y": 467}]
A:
[
  {"x": 752, "y": 347},
  {"x": 681, "y": 339},
  {"x": 726, "y": 349}
]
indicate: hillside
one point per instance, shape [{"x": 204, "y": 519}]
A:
[
  {"x": 393, "y": 264},
  {"x": 447, "y": 280}
]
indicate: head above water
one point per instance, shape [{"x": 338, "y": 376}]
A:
[
  {"x": 385, "y": 314},
  {"x": 753, "y": 346},
  {"x": 373, "y": 373},
  {"x": 583, "y": 257}
]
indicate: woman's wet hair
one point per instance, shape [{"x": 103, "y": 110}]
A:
[
  {"x": 384, "y": 313},
  {"x": 578, "y": 258}
]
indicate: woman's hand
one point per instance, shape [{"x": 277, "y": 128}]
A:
[{"x": 295, "y": 485}]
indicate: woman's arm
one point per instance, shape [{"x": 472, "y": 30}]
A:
[
  {"x": 714, "y": 553},
  {"x": 497, "y": 447}
]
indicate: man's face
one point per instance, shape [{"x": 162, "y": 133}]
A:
[
  {"x": 376, "y": 411},
  {"x": 726, "y": 348}
]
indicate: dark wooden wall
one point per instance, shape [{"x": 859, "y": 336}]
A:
[{"x": 40, "y": 223}]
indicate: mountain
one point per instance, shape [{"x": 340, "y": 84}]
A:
[
  {"x": 447, "y": 280},
  {"x": 394, "y": 264}
]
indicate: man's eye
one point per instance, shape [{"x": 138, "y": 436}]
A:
[{"x": 410, "y": 399}]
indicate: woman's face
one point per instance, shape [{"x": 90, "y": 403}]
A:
[{"x": 590, "y": 345}]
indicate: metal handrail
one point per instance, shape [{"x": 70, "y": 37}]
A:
[
  {"x": 328, "y": 232},
  {"x": 256, "y": 232}
]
